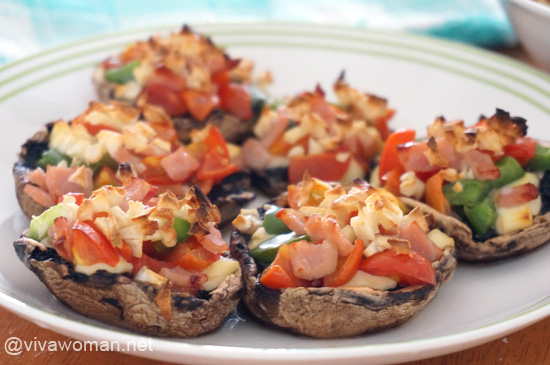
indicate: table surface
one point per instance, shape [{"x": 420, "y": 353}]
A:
[{"x": 528, "y": 346}]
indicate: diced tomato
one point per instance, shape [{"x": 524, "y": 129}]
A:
[
  {"x": 39, "y": 195},
  {"x": 236, "y": 100},
  {"x": 523, "y": 150},
  {"x": 214, "y": 141},
  {"x": 434, "y": 194},
  {"x": 323, "y": 166},
  {"x": 221, "y": 79},
  {"x": 347, "y": 267},
  {"x": 125, "y": 251},
  {"x": 205, "y": 185},
  {"x": 517, "y": 195},
  {"x": 91, "y": 247},
  {"x": 483, "y": 165},
  {"x": 420, "y": 242},
  {"x": 215, "y": 167},
  {"x": 167, "y": 78},
  {"x": 105, "y": 176},
  {"x": 279, "y": 274},
  {"x": 191, "y": 255},
  {"x": 179, "y": 165},
  {"x": 382, "y": 124},
  {"x": 405, "y": 269},
  {"x": 389, "y": 158},
  {"x": 165, "y": 131},
  {"x": 159, "y": 95},
  {"x": 200, "y": 104}
]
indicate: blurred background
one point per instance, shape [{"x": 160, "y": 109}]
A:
[{"x": 28, "y": 26}]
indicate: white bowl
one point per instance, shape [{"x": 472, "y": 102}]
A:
[{"x": 531, "y": 21}]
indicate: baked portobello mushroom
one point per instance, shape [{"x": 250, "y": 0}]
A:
[
  {"x": 192, "y": 79},
  {"x": 160, "y": 270},
  {"x": 78, "y": 156},
  {"x": 307, "y": 133},
  {"x": 302, "y": 273},
  {"x": 486, "y": 185}
]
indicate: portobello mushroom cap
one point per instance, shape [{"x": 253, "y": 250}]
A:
[
  {"x": 232, "y": 129},
  {"x": 119, "y": 300},
  {"x": 492, "y": 249},
  {"x": 326, "y": 312},
  {"x": 228, "y": 195}
]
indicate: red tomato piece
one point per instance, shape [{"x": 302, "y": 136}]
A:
[
  {"x": 91, "y": 247},
  {"x": 236, "y": 100},
  {"x": 167, "y": 78},
  {"x": 323, "y": 166},
  {"x": 215, "y": 167},
  {"x": 347, "y": 267},
  {"x": 389, "y": 157},
  {"x": 434, "y": 194},
  {"x": 161, "y": 96},
  {"x": 200, "y": 104},
  {"x": 382, "y": 124},
  {"x": 191, "y": 255},
  {"x": 407, "y": 270},
  {"x": 523, "y": 150}
]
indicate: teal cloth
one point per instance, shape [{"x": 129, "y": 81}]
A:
[{"x": 28, "y": 26}]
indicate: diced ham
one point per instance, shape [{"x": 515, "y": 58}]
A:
[
  {"x": 179, "y": 165},
  {"x": 277, "y": 128},
  {"x": 139, "y": 190},
  {"x": 327, "y": 229},
  {"x": 184, "y": 280},
  {"x": 313, "y": 261},
  {"x": 58, "y": 184},
  {"x": 513, "y": 196},
  {"x": 256, "y": 156},
  {"x": 214, "y": 242},
  {"x": 39, "y": 195},
  {"x": 420, "y": 242},
  {"x": 412, "y": 157},
  {"x": 293, "y": 219},
  {"x": 37, "y": 177},
  {"x": 482, "y": 164}
]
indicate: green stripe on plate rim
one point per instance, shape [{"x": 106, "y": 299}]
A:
[
  {"x": 12, "y": 296},
  {"x": 364, "y": 33},
  {"x": 300, "y": 45}
]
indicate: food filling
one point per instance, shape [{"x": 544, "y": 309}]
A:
[
  {"x": 84, "y": 154},
  {"x": 172, "y": 244},
  {"x": 184, "y": 73},
  {"x": 331, "y": 142},
  {"x": 331, "y": 236},
  {"x": 489, "y": 174}
]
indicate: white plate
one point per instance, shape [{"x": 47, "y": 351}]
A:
[{"x": 421, "y": 77}]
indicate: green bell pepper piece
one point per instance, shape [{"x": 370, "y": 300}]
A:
[
  {"x": 481, "y": 216},
  {"x": 106, "y": 160},
  {"x": 51, "y": 157},
  {"x": 266, "y": 252},
  {"x": 472, "y": 192},
  {"x": 122, "y": 74},
  {"x": 182, "y": 229},
  {"x": 541, "y": 160},
  {"x": 510, "y": 170},
  {"x": 258, "y": 99},
  {"x": 272, "y": 224}
]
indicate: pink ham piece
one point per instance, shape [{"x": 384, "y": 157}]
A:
[
  {"x": 312, "y": 261},
  {"x": 327, "y": 229},
  {"x": 179, "y": 165}
]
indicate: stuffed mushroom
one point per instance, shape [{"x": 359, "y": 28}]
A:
[
  {"x": 486, "y": 185},
  {"x": 192, "y": 79},
  {"x": 329, "y": 261},
  {"x": 78, "y": 156},
  {"x": 155, "y": 266},
  {"x": 333, "y": 142}
]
